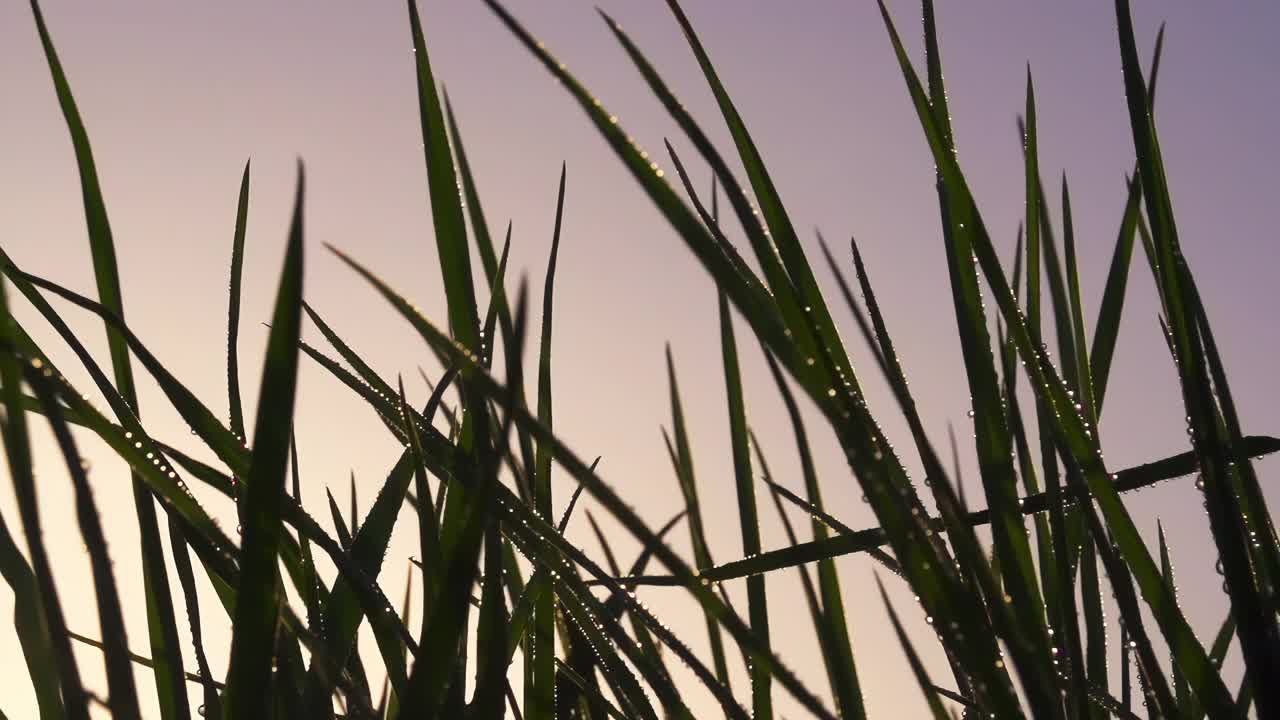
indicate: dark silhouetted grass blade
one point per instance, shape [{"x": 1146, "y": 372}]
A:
[{"x": 249, "y": 679}]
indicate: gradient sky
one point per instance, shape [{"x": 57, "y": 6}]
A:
[{"x": 176, "y": 97}]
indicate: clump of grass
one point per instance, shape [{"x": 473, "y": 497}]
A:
[{"x": 477, "y": 476}]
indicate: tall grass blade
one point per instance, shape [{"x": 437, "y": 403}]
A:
[
  {"x": 748, "y": 516},
  {"x": 160, "y": 614},
  {"x": 257, "y": 610}
]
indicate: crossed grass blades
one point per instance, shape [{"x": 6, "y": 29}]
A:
[{"x": 1020, "y": 621}]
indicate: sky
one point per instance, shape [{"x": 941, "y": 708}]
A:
[{"x": 177, "y": 96}]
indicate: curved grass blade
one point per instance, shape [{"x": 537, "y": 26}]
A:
[
  {"x": 123, "y": 695},
  {"x": 249, "y": 679},
  {"x": 18, "y": 453},
  {"x": 160, "y": 614},
  {"x": 31, "y": 628}
]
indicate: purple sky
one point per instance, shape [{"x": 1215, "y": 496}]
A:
[{"x": 177, "y": 96}]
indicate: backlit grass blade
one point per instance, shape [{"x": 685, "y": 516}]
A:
[
  {"x": 917, "y": 667},
  {"x": 1068, "y": 427},
  {"x": 123, "y": 695},
  {"x": 603, "y": 494},
  {"x": 835, "y": 630},
  {"x": 682, "y": 460},
  {"x": 1107, "y": 329},
  {"x": 17, "y": 446},
  {"x": 540, "y": 696},
  {"x": 249, "y": 679},
  {"x": 31, "y": 628},
  {"x": 339, "y": 523},
  {"x": 1182, "y": 693},
  {"x": 784, "y": 292},
  {"x": 771, "y": 207},
  {"x": 744, "y": 291},
  {"x": 1094, "y": 625},
  {"x": 161, "y": 624},
  {"x": 748, "y": 516},
  {"x": 233, "y": 313},
  {"x": 446, "y": 205},
  {"x": 1257, "y": 624}
]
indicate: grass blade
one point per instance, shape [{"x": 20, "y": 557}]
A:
[
  {"x": 748, "y": 518},
  {"x": 160, "y": 615},
  {"x": 249, "y": 679}
]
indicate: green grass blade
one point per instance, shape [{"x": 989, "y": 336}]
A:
[
  {"x": 748, "y": 516},
  {"x": 258, "y": 599},
  {"x": 601, "y": 493},
  {"x": 1069, "y": 428},
  {"x": 540, "y": 696},
  {"x": 18, "y": 453},
  {"x": 233, "y": 312},
  {"x": 771, "y": 208},
  {"x": 682, "y": 459},
  {"x": 31, "y": 628},
  {"x": 1107, "y": 329},
  {"x": 1257, "y": 624},
  {"x": 446, "y": 206},
  {"x": 835, "y": 630},
  {"x": 160, "y": 615},
  {"x": 339, "y": 523},
  {"x": 123, "y": 695}
]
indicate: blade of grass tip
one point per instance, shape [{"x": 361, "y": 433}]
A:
[
  {"x": 30, "y": 626},
  {"x": 122, "y": 694},
  {"x": 913, "y": 658},
  {"x": 311, "y": 591},
  {"x": 1182, "y": 694},
  {"x": 249, "y": 677},
  {"x": 1257, "y": 625},
  {"x": 1108, "y": 325},
  {"x": 18, "y": 453},
  {"x": 355, "y": 510},
  {"x": 1107, "y": 329},
  {"x": 446, "y": 206},
  {"x": 233, "y": 312},
  {"x": 339, "y": 523},
  {"x": 1086, "y": 399},
  {"x": 835, "y": 630},
  {"x": 748, "y": 516},
  {"x": 540, "y": 698},
  {"x": 161, "y": 622},
  {"x": 682, "y": 460}
]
